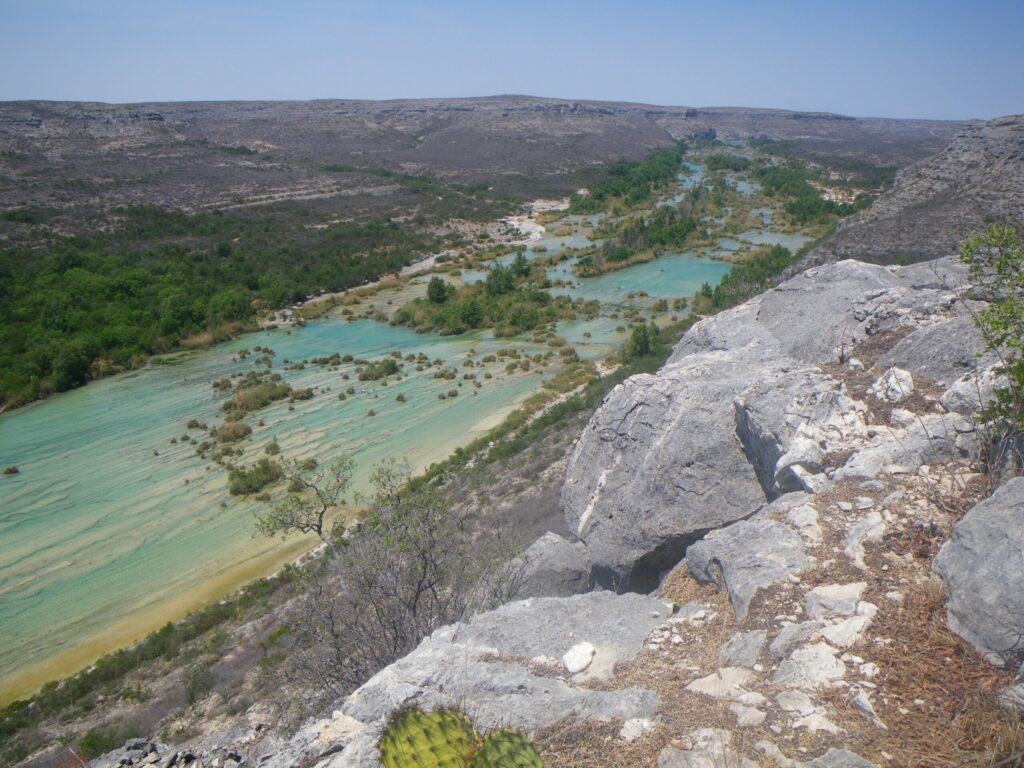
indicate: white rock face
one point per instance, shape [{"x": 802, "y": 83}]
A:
[
  {"x": 894, "y": 385},
  {"x": 726, "y": 683},
  {"x": 634, "y": 728},
  {"x": 810, "y": 666},
  {"x": 834, "y": 600},
  {"x": 848, "y": 632},
  {"x": 871, "y": 527},
  {"x": 578, "y": 658},
  {"x": 708, "y": 748}
]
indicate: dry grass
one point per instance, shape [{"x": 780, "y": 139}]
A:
[
  {"x": 590, "y": 744},
  {"x": 959, "y": 722}
]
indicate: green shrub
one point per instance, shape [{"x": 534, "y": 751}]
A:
[
  {"x": 995, "y": 264},
  {"x": 254, "y": 479},
  {"x": 233, "y": 431}
]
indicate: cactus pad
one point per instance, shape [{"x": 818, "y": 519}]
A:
[
  {"x": 414, "y": 739},
  {"x": 506, "y": 749}
]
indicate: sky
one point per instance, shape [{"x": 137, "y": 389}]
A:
[{"x": 898, "y": 58}]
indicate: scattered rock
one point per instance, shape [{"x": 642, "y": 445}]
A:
[
  {"x": 578, "y": 658},
  {"x": 868, "y": 528},
  {"x": 747, "y": 556},
  {"x": 794, "y": 634},
  {"x": 708, "y": 748},
  {"x": 743, "y": 649},
  {"x": 834, "y": 599},
  {"x": 862, "y": 703},
  {"x": 810, "y": 666},
  {"x": 894, "y": 386},
  {"x": 795, "y": 701},
  {"x": 634, "y": 728},
  {"x": 725, "y": 683},
  {"x": 934, "y": 438}
]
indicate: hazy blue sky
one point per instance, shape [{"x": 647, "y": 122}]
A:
[{"x": 896, "y": 58}]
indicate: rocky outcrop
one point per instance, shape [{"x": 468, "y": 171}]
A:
[
  {"x": 981, "y": 567},
  {"x": 742, "y": 414},
  {"x": 746, "y": 557},
  {"x": 484, "y": 666},
  {"x": 977, "y": 179}
]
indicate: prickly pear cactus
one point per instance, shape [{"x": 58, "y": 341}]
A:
[
  {"x": 415, "y": 739},
  {"x": 506, "y": 749}
]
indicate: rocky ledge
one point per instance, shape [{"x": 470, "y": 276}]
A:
[{"x": 778, "y": 492}]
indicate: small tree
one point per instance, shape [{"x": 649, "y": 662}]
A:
[
  {"x": 411, "y": 566},
  {"x": 437, "y": 293},
  {"x": 314, "y": 492},
  {"x": 995, "y": 262},
  {"x": 642, "y": 341}
]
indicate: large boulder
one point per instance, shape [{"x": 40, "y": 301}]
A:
[
  {"x": 944, "y": 351},
  {"x": 658, "y": 466},
  {"x": 703, "y": 443},
  {"x": 982, "y": 567}
]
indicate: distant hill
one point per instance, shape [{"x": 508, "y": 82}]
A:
[
  {"x": 81, "y": 158},
  {"x": 976, "y": 180}
]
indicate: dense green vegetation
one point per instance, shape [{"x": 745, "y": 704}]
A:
[
  {"x": 77, "y": 307},
  {"x": 806, "y": 205},
  {"x": 744, "y": 280},
  {"x": 510, "y": 300},
  {"x": 995, "y": 263},
  {"x": 864, "y": 175},
  {"x": 665, "y": 228},
  {"x": 632, "y": 183},
  {"x": 726, "y": 162}
]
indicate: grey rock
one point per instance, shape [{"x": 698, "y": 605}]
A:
[
  {"x": 834, "y": 600},
  {"x": 787, "y": 420},
  {"x": 794, "y": 634},
  {"x": 943, "y": 351},
  {"x": 451, "y": 666},
  {"x": 822, "y": 313},
  {"x": 658, "y": 466},
  {"x": 747, "y": 556},
  {"x": 871, "y": 527},
  {"x": 1012, "y": 698},
  {"x": 810, "y": 666},
  {"x": 708, "y": 748},
  {"x": 971, "y": 392},
  {"x": 895, "y": 385},
  {"x": 930, "y": 439},
  {"x": 552, "y": 567},
  {"x": 983, "y": 573},
  {"x": 938, "y": 201},
  {"x": 743, "y": 649}
]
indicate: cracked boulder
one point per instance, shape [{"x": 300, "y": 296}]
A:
[
  {"x": 658, "y": 466},
  {"x": 551, "y": 567}
]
